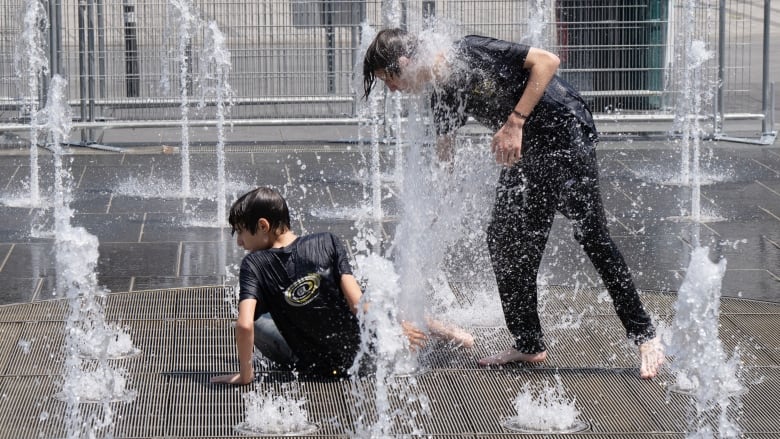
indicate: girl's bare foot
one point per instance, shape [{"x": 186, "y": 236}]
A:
[
  {"x": 651, "y": 356},
  {"x": 512, "y": 355},
  {"x": 450, "y": 332}
]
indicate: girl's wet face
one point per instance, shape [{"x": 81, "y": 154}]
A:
[
  {"x": 393, "y": 81},
  {"x": 406, "y": 80}
]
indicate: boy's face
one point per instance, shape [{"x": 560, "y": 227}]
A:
[{"x": 260, "y": 240}]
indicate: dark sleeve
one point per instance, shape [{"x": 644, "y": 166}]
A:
[
  {"x": 249, "y": 284},
  {"x": 506, "y": 57},
  {"x": 342, "y": 260},
  {"x": 501, "y": 60}
]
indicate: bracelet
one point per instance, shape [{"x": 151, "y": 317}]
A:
[{"x": 519, "y": 114}]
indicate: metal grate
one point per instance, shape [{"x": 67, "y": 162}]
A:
[
  {"x": 186, "y": 335},
  {"x": 45, "y": 355},
  {"x": 204, "y": 303},
  {"x": 739, "y": 306},
  {"x": 761, "y": 329},
  {"x": 9, "y": 340},
  {"x": 54, "y": 309},
  {"x": 14, "y": 313},
  {"x": 155, "y": 339},
  {"x": 147, "y": 305}
]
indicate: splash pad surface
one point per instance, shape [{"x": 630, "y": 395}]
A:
[
  {"x": 186, "y": 336},
  {"x": 158, "y": 265}
]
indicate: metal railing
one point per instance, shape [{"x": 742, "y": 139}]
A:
[{"x": 135, "y": 62}]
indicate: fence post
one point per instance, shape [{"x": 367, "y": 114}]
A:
[
  {"x": 765, "y": 128},
  {"x": 132, "y": 72},
  {"x": 328, "y": 12},
  {"x": 91, "y": 62},
  {"x": 82, "y": 65},
  {"x": 101, "y": 40},
  {"x": 54, "y": 36},
  {"x": 720, "y": 105}
]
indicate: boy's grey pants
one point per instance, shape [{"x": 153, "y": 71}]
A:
[{"x": 269, "y": 341}]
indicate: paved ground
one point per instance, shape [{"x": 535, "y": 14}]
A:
[
  {"x": 151, "y": 237},
  {"x": 153, "y": 241}
]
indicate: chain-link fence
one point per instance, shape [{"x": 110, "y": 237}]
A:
[{"x": 139, "y": 61}]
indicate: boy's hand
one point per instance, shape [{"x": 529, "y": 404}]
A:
[
  {"x": 231, "y": 379},
  {"x": 417, "y": 338}
]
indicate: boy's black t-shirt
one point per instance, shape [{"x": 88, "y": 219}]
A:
[
  {"x": 300, "y": 286},
  {"x": 486, "y": 82}
]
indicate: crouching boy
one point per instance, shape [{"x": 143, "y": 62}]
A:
[{"x": 298, "y": 297}]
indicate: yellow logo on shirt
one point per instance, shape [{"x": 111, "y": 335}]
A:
[
  {"x": 485, "y": 88},
  {"x": 303, "y": 290}
]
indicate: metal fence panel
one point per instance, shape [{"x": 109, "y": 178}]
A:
[{"x": 129, "y": 61}]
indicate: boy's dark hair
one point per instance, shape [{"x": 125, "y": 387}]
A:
[
  {"x": 262, "y": 202},
  {"x": 383, "y": 53}
]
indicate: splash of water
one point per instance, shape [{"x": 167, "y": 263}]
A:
[
  {"x": 217, "y": 60},
  {"x": 689, "y": 108},
  {"x": 701, "y": 365},
  {"x": 76, "y": 260},
  {"x": 104, "y": 384},
  {"x": 391, "y": 13},
  {"x": 30, "y": 63},
  {"x": 202, "y": 188},
  {"x": 384, "y": 345},
  {"x": 545, "y": 410},
  {"x": 269, "y": 414},
  {"x": 185, "y": 19},
  {"x": 368, "y": 222},
  {"x": 537, "y": 25}
]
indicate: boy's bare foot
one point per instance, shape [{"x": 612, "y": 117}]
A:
[
  {"x": 512, "y": 355},
  {"x": 450, "y": 332},
  {"x": 651, "y": 356}
]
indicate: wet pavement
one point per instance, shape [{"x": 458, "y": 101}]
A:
[
  {"x": 151, "y": 237},
  {"x": 165, "y": 259}
]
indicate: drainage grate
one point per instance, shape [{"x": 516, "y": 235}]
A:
[
  {"x": 44, "y": 356},
  {"x": 760, "y": 402},
  {"x": 14, "y": 313},
  {"x": 10, "y": 342},
  {"x": 155, "y": 339},
  {"x": 153, "y": 304},
  {"x": 736, "y": 333},
  {"x": 186, "y": 335},
  {"x": 754, "y": 336},
  {"x": 47, "y": 310},
  {"x": 739, "y": 306},
  {"x": 450, "y": 410},
  {"x": 205, "y": 303},
  {"x": 197, "y": 408},
  {"x": 201, "y": 346},
  {"x": 761, "y": 333},
  {"x": 29, "y": 408},
  {"x": 147, "y": 415}
]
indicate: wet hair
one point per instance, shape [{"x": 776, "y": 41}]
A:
[
  {"x": 263, "y": 202},
  {"x": 383, "y": 53}
]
